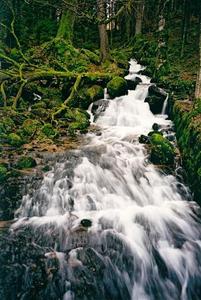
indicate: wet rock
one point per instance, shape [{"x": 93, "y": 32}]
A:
[
  {"x": 117, "y": 87},
  {"x": 156, "y": 127},
  {"x": 143, "y": 139},
  {"x": 86, "y": 223},
  {"x": 133, "y": 83},
  {"x": 98, "y": 107},
  {"x": 156, "y": 98}
]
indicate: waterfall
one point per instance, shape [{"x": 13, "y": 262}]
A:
[
  {"x": 142, "y": 240},
  {"x": 165, "y": 105}
]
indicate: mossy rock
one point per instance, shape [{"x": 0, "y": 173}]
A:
[
  {"x": 3, "y": 173},
  {"x": 117, "y": 87},
  {"x": 80, "y": 120},
  {"x": 29, "y": 127},
  {"x": 26, "y": 162},
  {"x": 95, "y": 92},
  {"x": 15, "y": 140},
  {"x": 49, "y": 131},
  {"x": 162, "y": 151},
  {"x": 86, "y": 96}
]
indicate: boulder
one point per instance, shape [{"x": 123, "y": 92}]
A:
[
  {"x": 99, "y": 106},
  {"x": 156, "y": 98},
  {"x": 143, "y": 139},
  {"x": 162, "y": 151},
  {"x": 117, "y": 87},
  {"x": 133, "y": 83}
]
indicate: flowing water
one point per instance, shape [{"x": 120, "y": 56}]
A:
[{"x": 144, "y": 241}]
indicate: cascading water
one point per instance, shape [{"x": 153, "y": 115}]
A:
[{"x": 144, "y": 242}]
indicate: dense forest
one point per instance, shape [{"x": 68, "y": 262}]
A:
[{"x": 66, "y": 68}]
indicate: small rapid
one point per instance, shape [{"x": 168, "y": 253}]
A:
[{"x": 143, "y": 242}]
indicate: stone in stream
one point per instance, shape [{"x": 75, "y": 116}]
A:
[
  {"x": 117, "y": 87},
  {"x": 156, "y": 98},
  {"x": 133, "y": 83}
]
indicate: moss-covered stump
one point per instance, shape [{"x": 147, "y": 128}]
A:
[
  {"x": 117, "y": 87},
  {"x": 162, "y": 151},
  {"x": 26, "y": 162},
  {"x": 187, "y": 119}
]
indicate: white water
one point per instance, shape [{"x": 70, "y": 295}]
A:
[{"x": 114, "y": 184}]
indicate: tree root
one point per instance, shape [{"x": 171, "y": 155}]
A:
[
  {"x": 68, "y": 101},
  {"x": 4, "y": 93}
]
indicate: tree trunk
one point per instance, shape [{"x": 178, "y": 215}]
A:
[
  {"x": 66, "y": 24},
  {"x": 139, "y": 17},
  {"x": 104, "y": 41},
  {"x": 186, "y": 21},
  {"x": 198, "y": 82}
]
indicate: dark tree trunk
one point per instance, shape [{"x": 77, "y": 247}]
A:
[{"x": 103, "y": 36}]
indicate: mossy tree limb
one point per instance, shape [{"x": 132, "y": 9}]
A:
[
  {"x": 4, "y": 93},
  {"x": 68, "y": 101}
]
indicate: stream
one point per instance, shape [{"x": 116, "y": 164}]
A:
[{"x": 105, "y": 224}]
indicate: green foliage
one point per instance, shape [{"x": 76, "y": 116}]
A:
[
  {"x": 3, "y": 173},
  {"x": 187, "y": 119},
  {"x": 6, "y": 125},
  {"x": 117, "y": 87},
  {"x": 26, "y": 162},
  {"x": 49, "y": 131},
  {"x": 29, "y": 127},
  {"x": 15, "y": 140}
]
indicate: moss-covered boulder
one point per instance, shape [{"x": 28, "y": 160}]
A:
[
  {"x": 162, "y": 151},
  {"x": 86, "y": 96},
  {"x": 15, "y": 140},
  {"x": 117, "y": 87},
  {"x": 26, "y": 162},
  {"x": 3, "y": 173},
  {"x": 49, "y": 131},
  {"x": 95, "y": 92},
  {"x": 79, "y": 120}
]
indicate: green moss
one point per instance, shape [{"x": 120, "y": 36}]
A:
[
  {"x": 3, "y": 173},
  {"x": 80, "y": 120},
  {"x": 40, "y": 104},
  {"x": 162, "y": 151},
  {"x": 29, "y": 127},
  {"x": 15, "y": 140},
  {"x": 95, "y": 92},
  {"x": 26, "y": 162},
  {"x": 117, "y": 87},
  {"x": 187, "y": 119},
  {"x": 6, "y": 125},
  {"x": 49, "y": 131}
]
